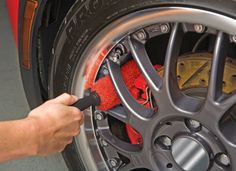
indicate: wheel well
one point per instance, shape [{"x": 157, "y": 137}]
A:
[{"x": 52, "y": 17}]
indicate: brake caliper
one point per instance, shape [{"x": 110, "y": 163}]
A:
[{"x": 142, "y": 94}]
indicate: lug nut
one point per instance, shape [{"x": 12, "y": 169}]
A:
[
  {"x": 104, "y": 143},
  {"x": 115, "y": 58},
  {"x": 164, "y": 141},
  {"x": 164, "y": 28},
  {"x": 223, "y": 159},
  {"x": 99, "y": 115},
  {"x": 141, "y": 35},
  {"x": 199, "y": 28},
  {"x": 117, "y": 53},
  {"x": 114, "y": 162},
  {"x": 121, "y": 49},
  {"x": 105, "y": 72},
  {"x": 193, "y": 125},
  {"x": 233, "y": 38}
]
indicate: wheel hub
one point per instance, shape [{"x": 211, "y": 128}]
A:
[
  {"x": 191, "y": 147},
  {"x": 190, "y": 154}
]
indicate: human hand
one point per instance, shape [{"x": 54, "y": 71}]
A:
[{"x": 56, "y": 123}]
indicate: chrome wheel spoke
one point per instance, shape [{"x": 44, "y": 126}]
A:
[
  {"x": 136, "y": 114},
  {"x": 217, "y": 69},
  {"x": 137, "y": 160},
  {"x": 129, "y": 166},
  {"x": 212, "y": 113},
  {"x": 121, "y": 114},
  {"x": 218, "y": 168},
  {"x": 172, "y": 54},
  {"x": 133, "y": 152},
  {"x": 141, "y": 57},
  {"x": 228, "y": 102},
  {"x": 233, "y": 158},
  {"x": 119, "y": 145},
  {"x": 170, "y": 94},
  {"x": 132, "y": 166},
  {"x": 216, "y": 102}
]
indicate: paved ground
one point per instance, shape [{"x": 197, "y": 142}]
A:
[{"x": 13, "y": 103}]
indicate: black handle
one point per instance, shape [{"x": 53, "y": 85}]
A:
[{"x": 92, "y": 100}]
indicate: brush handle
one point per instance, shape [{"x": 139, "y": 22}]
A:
[{"x": 92, "y": 100}]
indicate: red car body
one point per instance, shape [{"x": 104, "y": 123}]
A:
[
  {"x": 22, "y": 18},
  {"x": 13, "y": 9},
  {"x": 27, "y": 18}
]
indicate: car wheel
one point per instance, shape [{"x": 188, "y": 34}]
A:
[{"x": 179, "y": 113}]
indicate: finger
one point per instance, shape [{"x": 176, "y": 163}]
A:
[
  {"x": 69, "y": 140},
  {"x": 77, "y": 132},
  {"x": 66, "y": 99},
  {"x": 78, "y": 115},
  {"x": 62, "y": 148},
  {"x": 64, "y": 144},
  {"x": 72, "y": 129},
  {"x": 82, "y": 119},
  {"x": 76, "y": 129}
]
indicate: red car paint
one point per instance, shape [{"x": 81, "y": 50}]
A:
[{"x": 13, "y": 9}]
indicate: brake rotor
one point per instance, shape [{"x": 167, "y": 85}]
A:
[{"x": 193, "y": 71}]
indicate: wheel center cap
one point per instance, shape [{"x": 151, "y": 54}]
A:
[{"x": 190, "y": 154}]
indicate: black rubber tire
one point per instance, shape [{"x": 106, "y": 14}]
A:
[{"x": 90, "y": 17}]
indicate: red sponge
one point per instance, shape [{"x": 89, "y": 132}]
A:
[{"x": 105, "y": 88}]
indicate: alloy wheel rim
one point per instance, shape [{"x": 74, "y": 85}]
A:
[{"x": 125, "y": 28}]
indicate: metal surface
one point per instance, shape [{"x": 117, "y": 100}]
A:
[
  {"x": 199, "y": 28},
  {"x": 194, "y": 124},
  {"x": 234, "y": 38},
  {"x": 223, "y": 159},
  {"x": 190, "y": 155},
  {"x": 99, "y": 115},
  {"x": 172, "y": 103},
  {"x": 193, "y": 71},
  {"x": 165, "y": 28}
]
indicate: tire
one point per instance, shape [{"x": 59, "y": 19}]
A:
[{"x": 85, "y": 20}]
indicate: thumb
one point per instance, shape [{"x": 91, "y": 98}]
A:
[{"x": 66, "y": 99}]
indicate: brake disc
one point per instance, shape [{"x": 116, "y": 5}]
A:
[{"x": 193, "y": 71}]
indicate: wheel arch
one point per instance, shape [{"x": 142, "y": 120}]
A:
[{"x": 41, "y": 38}]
